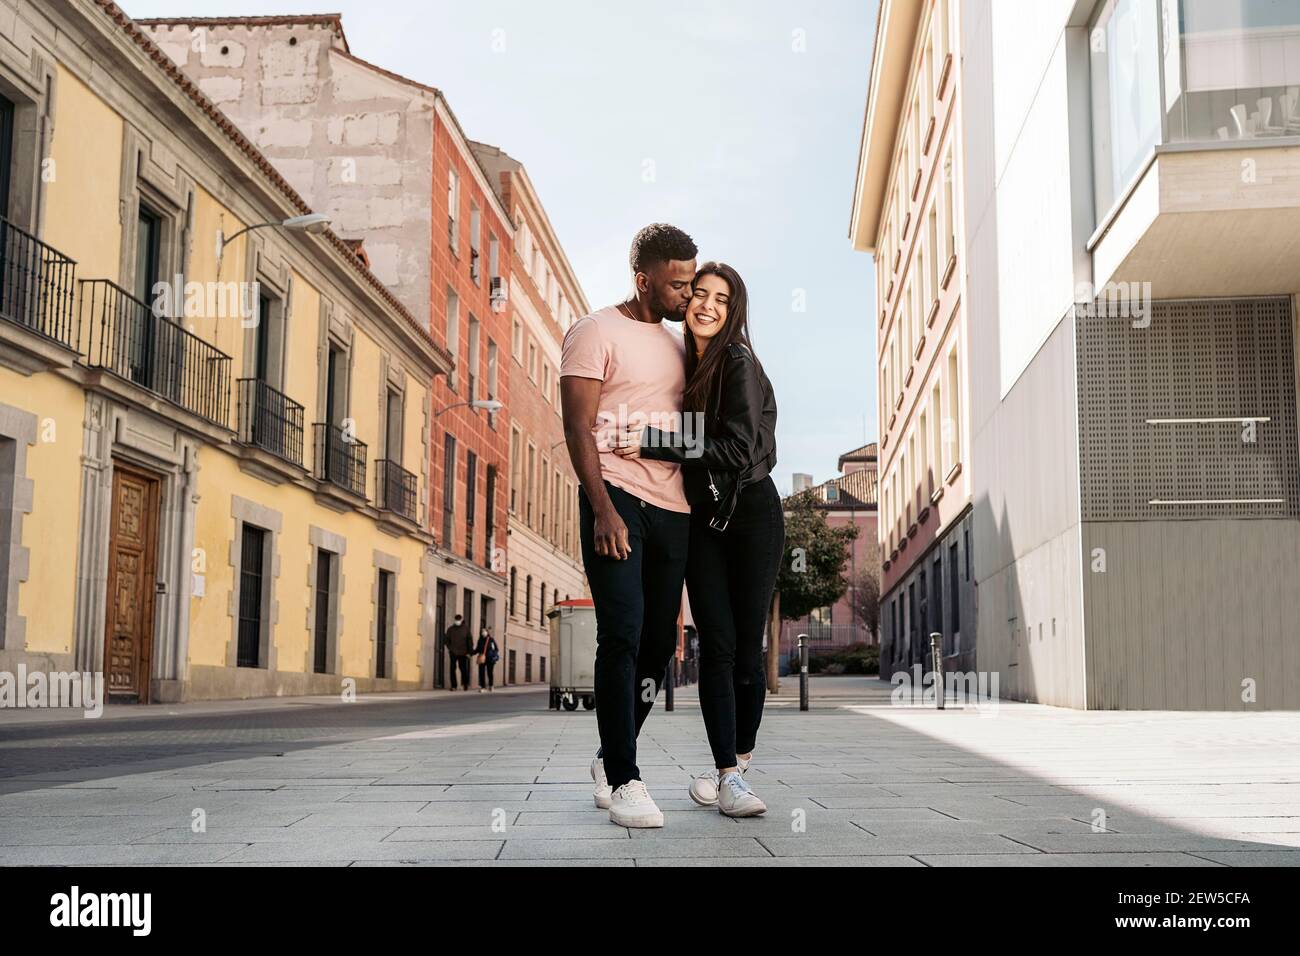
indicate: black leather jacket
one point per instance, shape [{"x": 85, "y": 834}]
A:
[{"x": 738, "y": 447}]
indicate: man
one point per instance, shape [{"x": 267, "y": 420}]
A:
[
  {"x": 459, "y": 646},
  {"x": 618, "y": 363}
]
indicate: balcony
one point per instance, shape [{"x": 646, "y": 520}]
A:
[
  {"x": 396, "y": 489},
  {"x": 270, "y": 420},
  {"x": 126, "y": 339},
  {"x": 340, "y": 459},
  {"x": 37, "y": 284},
  {"x": 1196, "y": 132}
]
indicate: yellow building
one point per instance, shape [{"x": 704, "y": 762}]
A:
[{"x": 212, "y": 441}]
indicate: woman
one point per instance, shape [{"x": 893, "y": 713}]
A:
[
  {"x": 487, "y": 654},
  {"x": 737, "y": 525}
]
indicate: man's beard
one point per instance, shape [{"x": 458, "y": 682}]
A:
[{"x": 670, "y": 313}]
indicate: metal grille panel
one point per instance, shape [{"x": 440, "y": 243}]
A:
[{"x": 1191, "y": 417}]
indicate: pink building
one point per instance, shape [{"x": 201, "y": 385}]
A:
[{"x": 848, "y": 499}]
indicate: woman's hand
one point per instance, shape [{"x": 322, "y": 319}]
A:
[{"x": 627, "y": 441}]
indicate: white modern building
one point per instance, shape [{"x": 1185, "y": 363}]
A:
[{"x": 1129, "y": 193}]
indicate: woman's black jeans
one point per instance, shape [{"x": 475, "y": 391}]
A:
[{"x": 730, "y": 576}]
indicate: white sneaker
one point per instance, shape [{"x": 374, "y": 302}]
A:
[
  {"x": 735, "y": 799},
  {"x": 603, "y": 791},
  {"x": 631, "y": 806},
  {"x": 704, "y": 789}
]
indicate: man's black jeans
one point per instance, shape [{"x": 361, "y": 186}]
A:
[
  {"x": 637, "y": 602},
  {"x": 730, "y": 577}
]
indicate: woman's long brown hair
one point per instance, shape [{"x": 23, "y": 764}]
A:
[{"x": 702, "y": 373}]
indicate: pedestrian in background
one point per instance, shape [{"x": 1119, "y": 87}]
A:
[
  {"x": 459, "y": 643},
  {"x": 488, "y": 655}
]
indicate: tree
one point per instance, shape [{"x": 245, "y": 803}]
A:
[
  {"x": 812, "y": 571},
  {"x": 864, "y": 598}
]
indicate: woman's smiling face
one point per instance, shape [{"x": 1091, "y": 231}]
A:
[{"x": 707, "y": 312}]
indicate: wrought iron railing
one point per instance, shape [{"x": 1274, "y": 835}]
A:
[
  {"x": 340, "y": 458},
  {"x": 125, "y": 337},
  {"x": 395, "y": 488},
  {"x": 37, "y": 285},
  {"x": 270, "y": 420}
]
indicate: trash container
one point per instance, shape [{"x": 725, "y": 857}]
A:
[{"x": 573, "y": 654}]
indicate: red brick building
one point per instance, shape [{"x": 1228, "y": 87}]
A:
[
  {"x": 850, "y": 499},
  {"x": 545, "y": 298}
]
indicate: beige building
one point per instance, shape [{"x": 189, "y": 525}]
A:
[
  {"x": 544, "y": 551},
  {"x": 212, "y": 427},
  {"x": 387, "y": 159},
  {"x": 907, "y": 212}
]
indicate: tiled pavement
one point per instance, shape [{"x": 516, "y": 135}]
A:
[{"x": 500, "y": 780}]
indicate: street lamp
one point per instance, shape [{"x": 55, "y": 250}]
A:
[
  {"x": 313, "y": 223},
  {"x": 488, "y": 404}
]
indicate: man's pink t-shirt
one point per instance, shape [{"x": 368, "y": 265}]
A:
[{"x": 642, "y": 366}]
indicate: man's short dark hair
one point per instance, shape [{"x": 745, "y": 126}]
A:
[{"x": 660, "y": 242}]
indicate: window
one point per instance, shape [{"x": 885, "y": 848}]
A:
[
  {"x": 517, "y": 341},
  {"x": 516, "y": 468},
  {"x": 252, "y": 551},
  {"x": 491, "y": 370},
  {"x": 530, "y": 487},
  {"x": 541, "y": 605},
  {"x": 936, "y": 436},
  {"x": 489, "y": 513},
  {"x": 475, "y": 262},
  {"x": 453, "y": 210},
  {"x": 953, "y": 425},
  {"x": 141, "y": 337},
  {"x": 555, "y": 508},
  {"x": 568, "y": 517},
  {"x": 924, "y": 621},
  {"x": 926, "y": 477},
  {"x": 528, "y": 668},
  {"x": 268, "y": 341},
  {"x": 954, "y": 590},
  {"x": 544, "y": 499},
  {"x": 448, "y": 488},
  {"x": 936, "y": 576},
  {"x": 472, "y": 363},
  {"x": 510, "y": 670},
  {"x": 966, "y": 547},
  {"x": 471, "y": 493},
  {"x": 950, "y": 213},
  {"x": 393, "y": 426},
  {"x": 494, "y": 257},
  {"x": 532, "y": 361},
  {"x": 541, "y": 669},
  {"x": 528, "y": 599},
  {"x": 383, "y": 622},
  {"x": 546, "y": 382},
  {"x": 324, "y": 599},
  {"x": 514, "y": 588},
  {"x": 1125, "y": 64},
  {"x": 453, "y": 337},
  {"x": 6, "y": 152},
  {"x": 939, "y": 29},
  {"x": 932, "y": 277},
  {"x": 1231, "y": 70}
]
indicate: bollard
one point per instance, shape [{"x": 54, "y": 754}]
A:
[
  {"x": 671, "y": 682},
  {"x": 936, "y": 657},
  {"x": 803, "y": 671}
]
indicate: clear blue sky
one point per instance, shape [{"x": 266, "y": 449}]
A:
[{"x": 753, "y": 145}]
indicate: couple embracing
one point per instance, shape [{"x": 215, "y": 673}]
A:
[{"x": 673, "y": 438}]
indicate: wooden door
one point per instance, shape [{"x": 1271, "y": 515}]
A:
[{"x": 132, "y": 555}]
